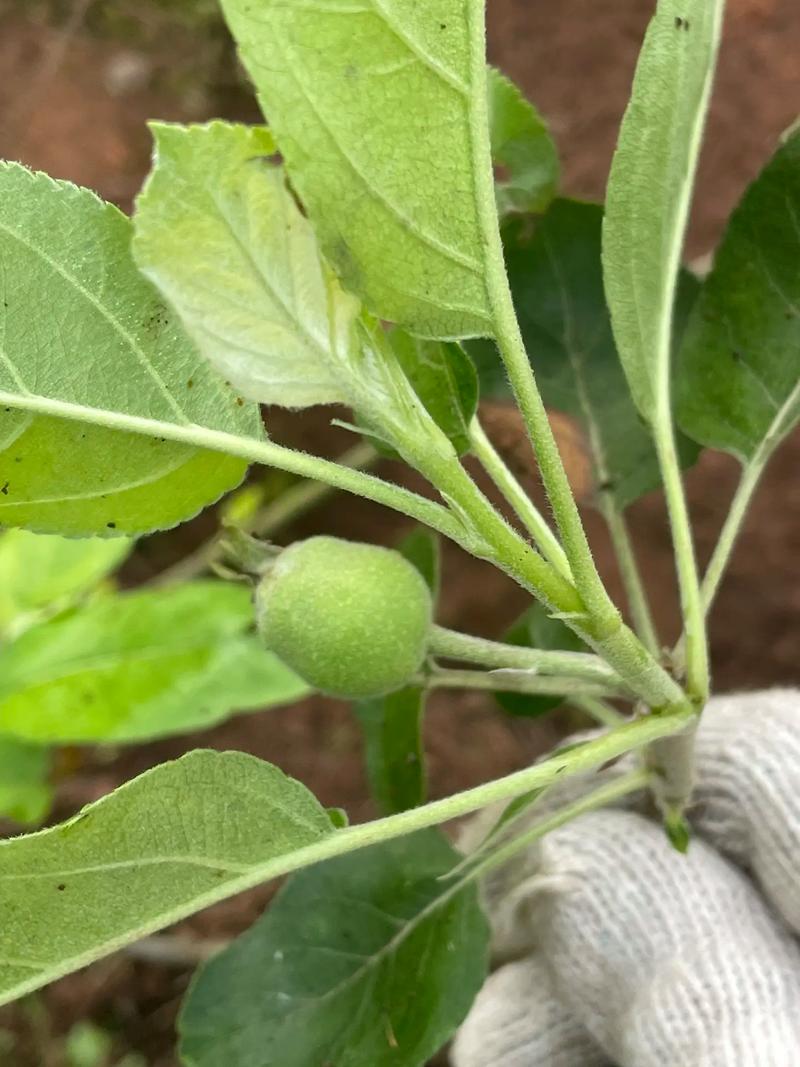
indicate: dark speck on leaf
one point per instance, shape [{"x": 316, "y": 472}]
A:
[
  {"x": 190, "y": 383},
  {"x": 681, "y": 24},
  {"x": 239, "y": 401},
  {"x": 442, "y": 25},
  {"x": 157, "y": 319},
  {"x": 18, "y": 459},
  {"x": 61, "y": 887},
  {"x": 111, "y": 525},
  {"x": 4, "y": 489},
  {"x": 736, "y": 356}
]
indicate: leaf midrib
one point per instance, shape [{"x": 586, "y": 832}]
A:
[{"x": 406, "y": 222}]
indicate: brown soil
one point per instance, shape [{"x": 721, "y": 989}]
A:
[{"x": 76, "y": 106}]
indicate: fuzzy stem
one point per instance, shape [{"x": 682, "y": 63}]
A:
[
  {"x": 672, "y": 761},
  {"x": 597, "y": 798},
  {"x": 511, "y": 681},
  {"x": 630, "y": 574},
  {"x": 598, "y": 709},
  {"x": 494, "y": 654},
  {"x": 560, "y": 765},
  {"x": 494, "y": 539},
  {"x": 269, "y": 520},
  {"x": 530, "y": 516},
  {"x": 697, "y": 677},
  {"x": 554, "y": 476}
]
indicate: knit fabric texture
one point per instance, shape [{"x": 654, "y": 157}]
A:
[
  {"x": 518, "y": 1021},
  {"x": 636, "y": 956},
  {"x": 665, "y": 959}
]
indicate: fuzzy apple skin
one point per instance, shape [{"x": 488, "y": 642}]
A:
[{"x": 351, "y": 619}]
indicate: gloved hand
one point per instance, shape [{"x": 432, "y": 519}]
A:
[{"x": 636, "y": 956}]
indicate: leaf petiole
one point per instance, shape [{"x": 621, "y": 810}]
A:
[
  {"x": 508, "y": 680},
  {"x": 530, "y": 516},
  {"x": 631, "y": 575},
  {"x": 450, "y": 644}
]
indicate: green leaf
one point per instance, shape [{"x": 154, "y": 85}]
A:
[
  {"x": 40, "y": 570},
  {"x": 422, "y": 548},
  {"x": 521, "y": 143},
  {"x": 368, "y": 961},
  {"x": 536, "y": 629},
  {"x": 140, "y": 665},
  {"x": 401, "y": 196},
  {"x": 393, "y": 748},
  {"x": 90, "y": 359},
  {"x": 25, "y": 794},
  {"x": 739, "y": 380},
  {"x": 166, "y": 844},
  {"x": 649, "y": 190},
  {"x": 220, "y": 234},
  {"x": 444, "y": 378},
  {"x": 556, "y": 278}
]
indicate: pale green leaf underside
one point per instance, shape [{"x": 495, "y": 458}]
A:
[
  {"x": 649, "y": 189},
  {"x": 136, "y": 666},
  {"x": 396, "y": 192},
  {"x": 83, "y": 335},
  {"x": 220, "y": 234},
  {"x": 739, "y": 382},
  {"x": 39, "y": 570},
  {"x": 159, "y": 848},
  {"x": 371, "y": 960}
]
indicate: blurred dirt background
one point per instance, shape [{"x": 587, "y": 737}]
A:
[{"x": 78, "y": 80}]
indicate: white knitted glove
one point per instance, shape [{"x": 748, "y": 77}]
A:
[
  {"x": 643, "y": 958},
  {"x": 517, "y": 1020}
]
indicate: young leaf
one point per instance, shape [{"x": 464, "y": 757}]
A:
[
  {"x": 40, "y": 570},
  {"x": 522, "y": 145},
  {"x": 401, "y": 197},
  {"x": 140, "y": 665},
  {"x": 536, "y": 629},
  {"x": 162, "y": 846},
  {"x": 739, "y": 372},
  {"x": 368, "y": 961},
  {"x": 99, "y": 356},
  {"x": 555, "y": 272},
  {"x": 393, "y": 748},
  {"x": 25, "y": 795},
  {"x": 649, "y": 190},
  {"x": 445, "y": 380},
  {"x": 220, "y": 234}
]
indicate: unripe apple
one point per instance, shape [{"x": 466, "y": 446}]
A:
[{"x": 351, "y": 619}]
